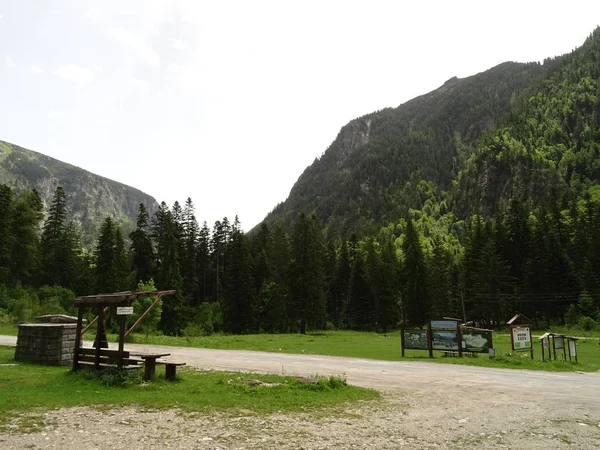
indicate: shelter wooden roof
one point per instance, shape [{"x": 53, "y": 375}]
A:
[{"x": 117, "y": 298}]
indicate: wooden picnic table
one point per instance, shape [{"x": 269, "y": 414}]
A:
[{"x": 149, "y": 362}]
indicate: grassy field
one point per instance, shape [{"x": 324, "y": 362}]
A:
[
  {"x": 372, "y": 346},
  {"x": 382, "y": 347},
  {"x": 24, "y": 386}
]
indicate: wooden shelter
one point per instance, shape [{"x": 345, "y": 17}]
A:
[{"x": 122, "y": 302}]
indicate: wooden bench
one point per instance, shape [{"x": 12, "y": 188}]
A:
[
  {"x": 171, "y": 369},
  {"x": 106, "y": 358}
]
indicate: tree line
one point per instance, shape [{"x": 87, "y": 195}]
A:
[{"x": 543, "y": 263}]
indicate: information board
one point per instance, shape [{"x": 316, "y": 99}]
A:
[
  {"x": 559, "y": 342},
  {"x": 443, "y": 325},
  {"x": 445, "y": 340},
  {"x": 476, "y": 341},
  {"x": 124, "y": 310},
  {"x": 572, "y": 347},
  {"x": 415, "y": 340},
  {"x": 521, "y": 338}
]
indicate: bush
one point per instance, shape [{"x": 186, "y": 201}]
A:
[
  {"x": 57, "y": 295},
  {"x": 572, "y": 315},
  {"x": 587, "y": 323},
  {"x": 115, "y": 377}
]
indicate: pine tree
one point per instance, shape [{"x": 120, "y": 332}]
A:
[
  {"x": 238, "y": 292},
  {"x": 106, "y": 258},
  {"x": 415, "y": 298},
  {"x": 6, "y": 235},
  {"x": 203, "y": 264},
  {"x": 278, "y": 309},
  {"x": 307, "y": 284},
  {"x": 341, "y": 292},
  {"x": 189, "y": 266},
  {"x": 26, "y": 244},
  {"x": 142, "y": 251},
  {"x": 54, "y": 243},
  {"x": 175, "y": 314}
]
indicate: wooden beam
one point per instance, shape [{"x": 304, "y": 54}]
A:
[
  {"x": 143, "y": 316},
  {"x": 116, "y": 298},
  {"x": 92, "y": 322},
  {"x": 77, "y": 340}
]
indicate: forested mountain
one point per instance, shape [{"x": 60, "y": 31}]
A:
[
  {"x": 372, "y": 172},
  {"x": 477, "y": 200},
  {"x": 90, "y": 197}
]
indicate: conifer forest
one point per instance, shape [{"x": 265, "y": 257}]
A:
[{"x": 476, "y": 201}]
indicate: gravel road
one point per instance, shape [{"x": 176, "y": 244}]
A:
[{"x": 424, "y": 405}]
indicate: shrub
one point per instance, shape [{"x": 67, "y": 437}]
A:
[
  {"x": 587, "y": 323},
  {"x": 572, "y": 315},
  {"x": 57, "y": 295}
]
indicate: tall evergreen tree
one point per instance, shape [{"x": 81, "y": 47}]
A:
[
  {"x": 142, "y": 251},
  {"x": 307, "y": 281},
  {"x": 26, "y": 244},
  {"x": 238, "y": 292},
  {"x": 106, "y": 258},
  {"x": 6, "y": 235},
  {"x": 415, "y": 296},
  {"x": 55, "y": 245},
  {"x": 175, "y": 313}
]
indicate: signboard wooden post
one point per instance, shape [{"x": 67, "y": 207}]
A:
[
  {"x": 520, "y": 335},
  {"x": 445, "y": 336},
  {"x": 415, "y": 339}
]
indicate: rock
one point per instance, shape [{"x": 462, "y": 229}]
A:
[
  {"x": 583, "y": 424},
  {"x": 463, "y": 420}
]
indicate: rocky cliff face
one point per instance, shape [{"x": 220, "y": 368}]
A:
[{"x": 90, "y": 197}]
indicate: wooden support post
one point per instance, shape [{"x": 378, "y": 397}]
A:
[
  {"x": 93, "y": 322},
  {"x": 77, "y": 339},
  {"x": 99, "y": 337},
  {"x": 137, "y": 322},
  {"x": 402, "y": 341},
  {"x": 121, "y": 340},
  {"x": 430, "y": 339},
  {"x": 459, "y": 339}
]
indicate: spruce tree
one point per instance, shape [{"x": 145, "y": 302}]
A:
[
  {"x": 142, "y": 251},
  {"x": 175, "y": 313},
  {"x": 27, "y": 217},
  {"x": 6, "y": 235},
  {"x": 238, "y": 292},
  {"x": 415, "y": 297},
  {"x": 106, "y": 258},
  {"x": 307, "y": 282},
  {"x": 54, "y": 242}
]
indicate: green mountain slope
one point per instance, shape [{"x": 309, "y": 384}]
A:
[
  {"x": 384, "y": 163},
  {"x": 550, "y": 147},
  {"x": 90, "y": 197},
  {"x": 525, "y": 132}
]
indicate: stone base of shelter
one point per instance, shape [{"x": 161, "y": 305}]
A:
[{"x": 48, "y": 343}]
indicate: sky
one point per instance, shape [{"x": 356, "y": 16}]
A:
[{"x": 227, "y": 102}]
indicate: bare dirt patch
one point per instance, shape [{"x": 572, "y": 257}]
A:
[{"x": 402, "y": 419}]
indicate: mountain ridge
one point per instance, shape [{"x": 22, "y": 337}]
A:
[{"x": 90, "y": 197}]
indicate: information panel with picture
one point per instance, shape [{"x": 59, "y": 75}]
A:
[
  {"x": 476, "y": 341},
  {"x": 415, "y": 340},
  {"x": 521, "y": 338}
]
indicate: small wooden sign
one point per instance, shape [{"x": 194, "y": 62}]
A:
[{"x": 124, "y": 310}]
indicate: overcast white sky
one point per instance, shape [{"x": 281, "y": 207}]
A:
[{"x": 228, "y": 102}]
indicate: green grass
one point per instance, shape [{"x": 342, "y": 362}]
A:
[
  {"x": 373, "y": 346},
  {"x": 379, "y": 346},
  {"x": 25, "y": 386},
  {"x": 8, "y": 329}
]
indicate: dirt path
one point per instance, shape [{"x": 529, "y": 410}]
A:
[{"x": 425, "y": 405}]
